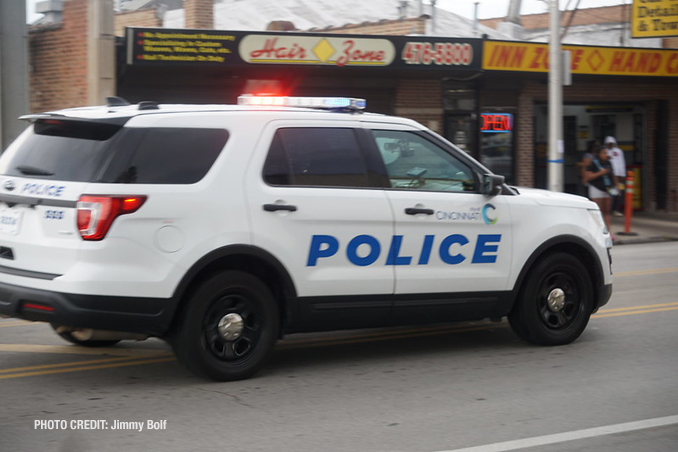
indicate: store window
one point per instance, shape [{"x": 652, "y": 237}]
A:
[
  {"x": 460, "y": 100},
  {"x": 496, "y": 146}
]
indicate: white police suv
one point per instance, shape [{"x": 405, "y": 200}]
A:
[{"x": 221, "y": 228}]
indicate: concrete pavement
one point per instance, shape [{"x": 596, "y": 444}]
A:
[{"x": 646, "y": 228}]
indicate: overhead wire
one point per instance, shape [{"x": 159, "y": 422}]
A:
[{"x": 570, "y": 19}]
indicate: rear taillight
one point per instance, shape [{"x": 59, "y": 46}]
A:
[{"x": 96, "y": 213}]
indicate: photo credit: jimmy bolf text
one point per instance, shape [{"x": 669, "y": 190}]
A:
[{"x": 99, "y": 424}]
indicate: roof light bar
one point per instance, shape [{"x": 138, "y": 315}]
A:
[{"x": 326, "y": 103}]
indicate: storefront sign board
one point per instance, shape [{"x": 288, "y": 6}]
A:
[
  {"x": 654, "y": 18},
  {"x": 534, "y": 57},
  {"x": 158, "y": 46}
]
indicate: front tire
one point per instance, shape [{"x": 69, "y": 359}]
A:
[
  {"x": 229, "y": 327},
  {"x": 555, "y": 302}
]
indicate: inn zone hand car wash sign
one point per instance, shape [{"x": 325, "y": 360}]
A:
[
  {"x": 159, "y": 46},
  {"x": 533, "y": 57}
]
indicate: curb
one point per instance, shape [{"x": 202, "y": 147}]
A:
[{"x": 639, "y": 240}]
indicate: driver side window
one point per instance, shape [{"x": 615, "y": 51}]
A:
[{"x": 414, "y": 163}]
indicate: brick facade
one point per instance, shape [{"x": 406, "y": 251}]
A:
[
  {"x": 199, "y": 14},
  {"x": 58, "y": 60},
  {"x": 643, "y": 93},
  {"x": 524, "y": 143},
  {"x": 408, "y": 26},
  {"x": 588, "y": 16},
  {"x": 616, "y": 14},
  {"x": 421, "y": 100},
  {"x": 670, "y": 43}
]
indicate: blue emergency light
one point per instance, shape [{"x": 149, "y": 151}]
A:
[{"x": 325, "y": 103}]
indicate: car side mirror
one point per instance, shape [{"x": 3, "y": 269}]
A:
[{"x": 492, "y": 184}]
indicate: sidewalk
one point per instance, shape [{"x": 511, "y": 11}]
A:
[{"x": 647, "y": 227}]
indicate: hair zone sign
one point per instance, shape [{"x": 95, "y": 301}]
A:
[{"x": 340, "y": 51}]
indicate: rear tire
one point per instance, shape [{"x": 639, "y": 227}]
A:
[
  {"x": 555, "y": 302},
  {"x": 73, "y": 340},
  {"x": 228, "y": 328}
]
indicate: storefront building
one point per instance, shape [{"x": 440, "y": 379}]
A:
[
  {"x": 431, "y": 80},
  {"x": 487, "y": 96},
  {"x": 628, "y": 93}
]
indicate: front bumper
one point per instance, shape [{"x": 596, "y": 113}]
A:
[{"x": 604, "y": 295}]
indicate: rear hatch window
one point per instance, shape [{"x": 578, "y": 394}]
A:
[{"x": 87, "y": 151}]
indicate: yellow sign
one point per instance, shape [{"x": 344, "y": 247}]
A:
[
  {"x": 534, "y": 57},
  {"x": 654, "y": 18}
]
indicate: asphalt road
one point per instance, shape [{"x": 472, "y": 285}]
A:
[{"x": 471, "y": 386}]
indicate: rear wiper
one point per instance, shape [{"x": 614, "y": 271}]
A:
[{"x": 33, "y": 171}]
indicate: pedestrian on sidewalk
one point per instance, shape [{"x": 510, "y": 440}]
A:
[
  {"x": 585, "y": 161},
  {"x": 601, "y": 182},
  {"x": 618, "y": 162}
]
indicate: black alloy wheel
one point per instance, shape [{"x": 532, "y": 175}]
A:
[
  {"x": 555, "y": 302},
  {"x": 228, "y": 327},
  {"x": 232, "y": 327}
]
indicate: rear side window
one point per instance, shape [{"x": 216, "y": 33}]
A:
[
  {"x": 165, "y": 155},
  {"x": 82, "y": 151},
  {"x": 60, "y": 150},
  {"x": 320, "y": 157}
]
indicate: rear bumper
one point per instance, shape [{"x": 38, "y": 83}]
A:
[{"x": 151, "y": 316}]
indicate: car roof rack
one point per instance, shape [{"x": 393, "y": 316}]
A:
[
  {"x": 148, "y": 105},
  {"x": 115, "y": 101}
]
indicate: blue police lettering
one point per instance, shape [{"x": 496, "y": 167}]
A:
[
  {"x": 450, "y": 250},
  {"x": 321, "y": 246},
  {"x": 445, "y": 246},
  {"x": 372, "y": 256},
  {"x": 43, "y": 189},
  {"x": 393, "y": 254},
  {"x": 483, "y": 246},
  {"x": 426, "y": 249}
]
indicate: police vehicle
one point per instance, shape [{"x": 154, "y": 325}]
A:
[{"x": 222, "y": 228}]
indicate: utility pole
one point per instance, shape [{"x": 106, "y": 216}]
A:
[
  {"x": 556, "y": 152},
  {"x": 13, "y": 70}
]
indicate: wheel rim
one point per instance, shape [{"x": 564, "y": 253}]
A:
[
  {"x": 560, "y": 302},
  {"x": 232, "y": 328}
]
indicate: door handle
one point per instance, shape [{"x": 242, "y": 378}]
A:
[
  {"x": 276, "y": 207},
  {"x": 417, "y": 210}
]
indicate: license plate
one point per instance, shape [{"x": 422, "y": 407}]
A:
[{"x": 10, "y": 221}]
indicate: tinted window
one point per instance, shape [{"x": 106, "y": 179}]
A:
[
  {"x": 165, "y": 155},
  {"x": 414, "y": 163},
  {"x": 59, "y": 150},
  {"x": 85, "y": 151},
  {"x": 323, "y": 157}
]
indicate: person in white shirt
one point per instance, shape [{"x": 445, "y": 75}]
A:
[{"x": 619, "y": 170}]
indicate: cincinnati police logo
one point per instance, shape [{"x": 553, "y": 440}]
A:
[
  {"x": 10, "y": 185},
  {"x": 488, "y": 215}
]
